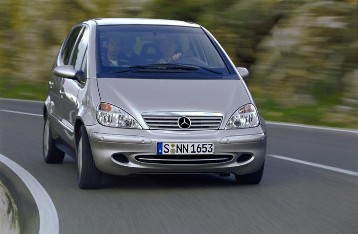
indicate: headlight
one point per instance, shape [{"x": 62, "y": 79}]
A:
[
  {"x": 112, "y": 116},
  {"x": 245, "y": 117}
]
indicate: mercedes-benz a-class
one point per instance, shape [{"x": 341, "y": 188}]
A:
[{"x": 143, "y": 96}]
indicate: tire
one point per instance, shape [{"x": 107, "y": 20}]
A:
[
  {"x": 51, "y": 153},
  {"x": 253, "y": 178},
  {"x": 89, "y": 177}
]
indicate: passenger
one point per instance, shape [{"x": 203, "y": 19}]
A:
[
  {"x": 127, "y": 54},
  {"x": 111, "y": 57}
]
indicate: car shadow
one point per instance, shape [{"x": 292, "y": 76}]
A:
[
  {"x": 161, "y": 181},
  {"x": 167, "y": 181}
]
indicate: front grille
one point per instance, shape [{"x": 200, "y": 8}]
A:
[
  {"x": 170, "y": 122},
  {"x": 184, "y": 159}
]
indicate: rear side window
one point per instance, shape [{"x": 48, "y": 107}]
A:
[
  {"x": 68, "y": 46},
  {"x": 80, "y": 49}
]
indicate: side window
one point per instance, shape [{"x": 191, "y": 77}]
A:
[
  {"x": 70, "y": 42},
  {"x": 84, "y": 63},
  {"x": 80, "y": 50},
  {"x": 84, "y": 68}
]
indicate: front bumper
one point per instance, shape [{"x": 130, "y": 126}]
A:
[{"x": 135, "y": 144}]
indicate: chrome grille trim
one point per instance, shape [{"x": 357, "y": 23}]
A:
[{"x": 169, "y": 120}]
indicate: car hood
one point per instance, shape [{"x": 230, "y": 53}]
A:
[{"x": 137, "y": 96}]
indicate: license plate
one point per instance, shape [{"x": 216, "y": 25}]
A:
[{"x": 185, "y": 148}]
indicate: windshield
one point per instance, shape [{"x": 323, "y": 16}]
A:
[{"x": 144, "y": 50}]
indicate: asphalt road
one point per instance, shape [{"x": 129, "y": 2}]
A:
[{"x": 292, "y": 197}]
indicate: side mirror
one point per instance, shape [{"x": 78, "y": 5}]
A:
[
  {"x": 66, "y": 71},
  {"x": 244, "y": 73}
]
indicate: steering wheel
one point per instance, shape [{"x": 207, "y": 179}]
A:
[{"x": 192, "y": 60}]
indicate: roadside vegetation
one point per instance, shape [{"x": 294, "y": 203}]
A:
[
  {"x": 302, "y": 54},
  {"x": 9, "y": 214}
]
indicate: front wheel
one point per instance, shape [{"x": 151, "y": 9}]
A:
[
  {"x": 253, "y": 178},
  {"x": 51, "y": 153},
  {"x": 89, "y": 177}
]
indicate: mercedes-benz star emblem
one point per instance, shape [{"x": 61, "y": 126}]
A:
[{"x": 184, "y": 122}]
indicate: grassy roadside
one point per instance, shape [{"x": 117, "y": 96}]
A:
[
  {"x": 324, "y": 112},
  {"x": 311, "y": 115},
  {"x": 19, "y": 89}
]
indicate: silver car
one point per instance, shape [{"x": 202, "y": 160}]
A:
[{"x": 143, "y": 96}]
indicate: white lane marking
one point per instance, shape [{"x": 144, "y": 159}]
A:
[
  {"x": 353, "y": 173},
  {"x": 312, "y": 127},
  {"x": 20, "y": 100},
  {"x": 22, "y": 113},
  {"x": 48, "y": 215}
]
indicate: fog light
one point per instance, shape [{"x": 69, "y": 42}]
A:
[
  {"x": 244, "y": 158},
  {"x": 120, "y": 158}
]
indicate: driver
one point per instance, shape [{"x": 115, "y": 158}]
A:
[{"x": 169, "y": 50}]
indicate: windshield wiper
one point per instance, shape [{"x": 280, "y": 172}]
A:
[
  {"x": 154, "y": 68},
  {"x": 123, "y": 70},
  {"x": 164, "y": 67},
  {"x": 201, "y": 67},
  {"x": 175, "y": 66}
]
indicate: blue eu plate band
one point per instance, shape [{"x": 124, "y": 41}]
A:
[{"x": 159, "y": 148}]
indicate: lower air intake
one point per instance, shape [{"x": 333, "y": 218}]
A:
[{"x": 184, "y": 159}]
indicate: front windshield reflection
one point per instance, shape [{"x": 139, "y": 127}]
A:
[{"x": 156, "y": 49}]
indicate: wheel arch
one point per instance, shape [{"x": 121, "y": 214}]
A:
[
  {"x": 44, "y": 111},
  {"x": 46, "y": 107},
  {"x": 78, "y": 124}
]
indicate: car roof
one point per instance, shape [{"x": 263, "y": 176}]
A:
[{"x": 142, "y": 21}]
